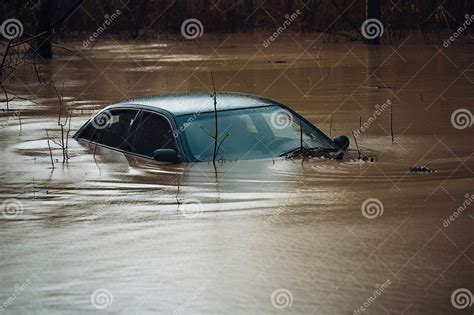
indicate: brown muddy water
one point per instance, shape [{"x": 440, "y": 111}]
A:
[{"x": 108, "y": 235}]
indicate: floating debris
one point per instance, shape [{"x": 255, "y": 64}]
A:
[
  {"x": 364, "y": 158},
  {"x": 376, "y": 87},
  {"x": 278, "y": 61},
  {"x": 421, "y": 169}
]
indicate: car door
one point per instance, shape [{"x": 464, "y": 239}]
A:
[
  {"x": 112, "y": 128},
  {"x": 153, "y": 132}
]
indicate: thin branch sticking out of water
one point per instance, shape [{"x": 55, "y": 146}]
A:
[
  {"x": 330, "y": 127},
  {"x": 50, "y": 151},
  {"x": 215, "y": 119},
  {"x": 357, "y": 145}
]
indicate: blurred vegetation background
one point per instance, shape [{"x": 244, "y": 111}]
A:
[{"x": 149, "y": 19}]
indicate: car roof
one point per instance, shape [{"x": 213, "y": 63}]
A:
[{"x": 190, "y": 103}]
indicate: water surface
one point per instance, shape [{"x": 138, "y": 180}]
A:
[{"x": 227, "y": 239}]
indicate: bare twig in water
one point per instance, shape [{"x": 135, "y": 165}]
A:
[
  {"x": 2, "y": 68},
  {"x": 301, "y": 137},
  {"x": 63, "y": 144},
  {"x": 319, "y": 52},
  {"x": 67, "y": 134},
  {"x": 220, "y": 143},
  {"x": 38, "y": 76},
  {"x": 177, "y": 192},
  {"x": 391, "y": 121},
  {"x": 49, "y": 147},
  {"x": 301, "y": 143},
  {"x": 215, "y": 119},
  {"x": 93, "y": 155},
  {"x": 330, "y": 127},
  {"x": 391, "y": 109},
  {"x": 357, "y": 145}
]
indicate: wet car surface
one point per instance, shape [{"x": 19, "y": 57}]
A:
[{"x": 182, "y": 128}]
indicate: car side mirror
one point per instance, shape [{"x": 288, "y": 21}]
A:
[
  {"x": 342, "y": 142},
  {"x": 165, "y": 155}
]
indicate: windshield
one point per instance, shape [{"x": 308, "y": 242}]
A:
[{"x": 250, "y": 133}]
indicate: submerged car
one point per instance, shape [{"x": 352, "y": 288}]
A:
[{"x": 182, "y": 128}]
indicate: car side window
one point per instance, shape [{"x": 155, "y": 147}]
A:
[
  {"x": 153, "y": 132},
  {"x": 112, "y": 128}
]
